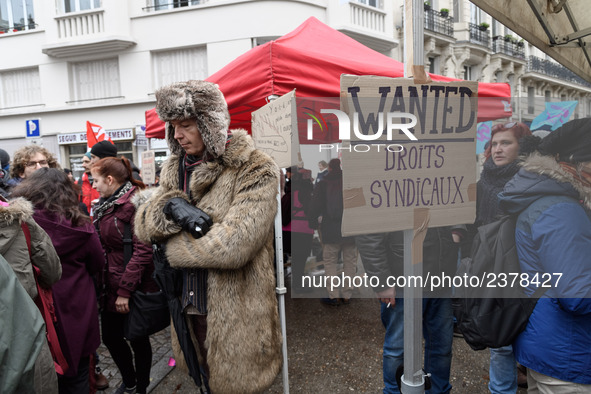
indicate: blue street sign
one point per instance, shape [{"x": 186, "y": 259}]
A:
[{"x": 33, "y": 129}]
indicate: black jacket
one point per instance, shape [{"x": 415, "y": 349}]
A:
[
  {"x": 327, "y": 201},
  {"x": 382, "y": 255}
]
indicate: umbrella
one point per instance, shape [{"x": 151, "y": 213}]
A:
[{"x": 170, "y": 282}]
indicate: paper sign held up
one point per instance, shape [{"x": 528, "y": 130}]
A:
[
  {"x": 387, "y": 174},
  {"x": 274, "y": 130},
  {"x": 148, "y": 167}
]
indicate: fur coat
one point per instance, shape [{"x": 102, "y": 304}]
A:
[{"x": 237, "y": 188}]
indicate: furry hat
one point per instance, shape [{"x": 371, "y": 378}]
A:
[
  {"x": 572, "y": 141},
  {"x": 199, "y": 100}
]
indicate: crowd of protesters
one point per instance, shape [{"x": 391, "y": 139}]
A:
[{"x": 212, "y": 216}]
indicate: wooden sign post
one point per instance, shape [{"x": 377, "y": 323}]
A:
[{"x": 393, "y": 182}]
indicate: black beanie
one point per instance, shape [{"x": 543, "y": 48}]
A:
[
  {"x": 104, "y": 149},
  {"x": 572, "y": 141}
]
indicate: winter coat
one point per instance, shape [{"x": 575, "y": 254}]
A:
[
  {"x": 13, "y": 246},
  {"x": 327, "y": 201},
  {"x": 117, "y": 279},
  {"x": 294, "y": 205},
  {"x": 22, "y": 334},
  {"x": 382, "y": 255},
  {"x": 320, "y": 176},
  {"x": 238, "y": 191},
  {"x": 76, "y": 309},
  {"x": 553, "y": 237}
]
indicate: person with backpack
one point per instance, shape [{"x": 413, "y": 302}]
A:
[
  {"x": 327, "y": 202},
  {"x": 114, "y": 181},
  {"x": 55, "y": 198},
  {"x": 501, "y": 164},
  {"x": 551, "y": 194}
]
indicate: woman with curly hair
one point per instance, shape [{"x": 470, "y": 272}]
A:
[
  {"x": 55, "y": 200},
  {"x": 29, "y": 159}
]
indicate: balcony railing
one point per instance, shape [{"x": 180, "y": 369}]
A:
[
  {"x": 547, "y": 67},
  {"x": 18, "y": 27},
  {"x": 509, "y": 48},
  {"x": 478, "y": 36},
  {"x": 79, "y": 24},
  {"x": 436, "y": 22},
  {"x": 368, "y": 18}
]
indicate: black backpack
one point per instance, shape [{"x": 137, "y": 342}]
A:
[{"x": 492, "y": 316}]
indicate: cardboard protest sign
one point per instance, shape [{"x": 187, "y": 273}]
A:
[
  {"x": 148, "y": 167},
  {"x": 409, "y": 147},
  {"x": 274, "y": 130}
]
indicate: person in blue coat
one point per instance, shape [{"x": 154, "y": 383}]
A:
[{"x": 551, "y": 193}]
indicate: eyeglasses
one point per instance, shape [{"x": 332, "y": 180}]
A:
[
  {"x": 33, "y": 164},
  {"x": 506, "y": 126}
]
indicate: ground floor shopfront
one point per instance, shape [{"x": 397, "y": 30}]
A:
[{"x": 63, "y": 132}]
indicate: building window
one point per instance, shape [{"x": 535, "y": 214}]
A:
[
  {"x": 20, "y": 88},
  {"x": 434, "y": 65},
  {"x": 456, "y": 13},
  {"x": 468, "y": 73},
  {"x": 179, "y": 65},
  {"x": 475, "y": 14},
  {"x": 78, "y": 5},
  {"x": 531, "y": 100},
  {"x": 75, "y": 153},
  {"x": 373, "y": 3},
  {"x": 256, "y": 41},
  {"x": 16, "y": 15},
  {"x": 97, "y": 79},
  {"x": 159, "y": 5},
  {"x": 547, "y": 95}
]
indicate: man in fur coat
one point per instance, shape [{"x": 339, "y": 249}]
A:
[{"x": 226, "y": 188}]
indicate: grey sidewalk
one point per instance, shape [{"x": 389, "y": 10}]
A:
[{"x": 161, "y": 354}]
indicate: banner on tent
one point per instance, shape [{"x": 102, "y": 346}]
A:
[
  {"x": 274, "y": 130},
  {"x": 387, "y": 178}
]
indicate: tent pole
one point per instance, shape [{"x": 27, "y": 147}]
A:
[
  {"x": 280, "y": 289},
  {"x": 412, "y": 380}
]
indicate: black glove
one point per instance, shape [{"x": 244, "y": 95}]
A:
[{"x": 189, "y": 217}]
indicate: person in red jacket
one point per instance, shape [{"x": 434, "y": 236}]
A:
[{"x": 88, "y": 194}]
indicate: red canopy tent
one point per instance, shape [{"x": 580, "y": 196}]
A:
[{"x": 311, "y": 59}]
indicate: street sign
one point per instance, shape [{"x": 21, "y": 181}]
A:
[{"x": 33, "y": 129}]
